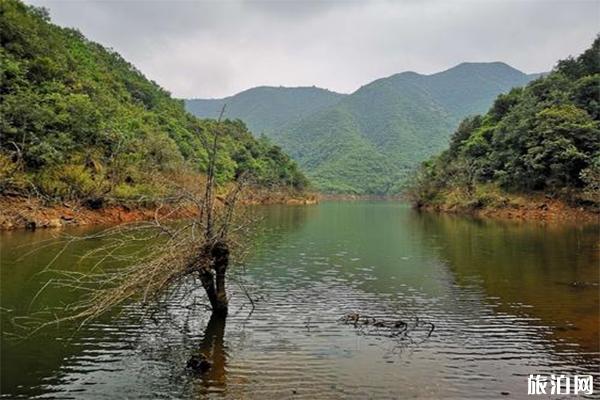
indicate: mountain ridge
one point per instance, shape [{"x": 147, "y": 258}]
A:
[
  {"x": 380, "y": 132},
  {"x": 265, "y": 108}
]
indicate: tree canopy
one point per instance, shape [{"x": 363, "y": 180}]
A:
[
  {"x": 543, "y": 137},
  {"x": 77, "y": 120}
]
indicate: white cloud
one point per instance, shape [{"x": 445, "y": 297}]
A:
[{"x": 218, "y": 48}]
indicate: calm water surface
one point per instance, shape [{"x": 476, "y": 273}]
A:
[{"x": 506, "y": 299}]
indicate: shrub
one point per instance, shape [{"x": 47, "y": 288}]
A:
[{"x": 69, "y": 182}]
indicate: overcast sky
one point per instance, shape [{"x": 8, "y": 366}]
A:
[{"x": 218, "y": 48}]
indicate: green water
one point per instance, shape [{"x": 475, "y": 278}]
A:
[{"x": 507, "y": 300}]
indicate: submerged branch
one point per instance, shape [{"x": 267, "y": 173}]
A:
[
  {"x": 148, "y": 261},
  {"x": 387, "y": 327}
]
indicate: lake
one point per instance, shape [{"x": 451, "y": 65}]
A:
[{"x": 506, "y": 299}]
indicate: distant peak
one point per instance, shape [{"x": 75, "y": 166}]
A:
[
  {"x": 268, "y": 88},
  {"x": 399, "y": 77},
  {"x": 274, "y": 89},
  {"x": 405, "y": 75},
  {"x": 482, "y": 66},
  {"x": 408, "y": 73},
  {"x": 483, "y": 63}
]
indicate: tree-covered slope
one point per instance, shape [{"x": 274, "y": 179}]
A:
[
  {"x": 266, "y": 109},
  {"x": 78, "y": 121},
  {"x": 397, "y": 122},
  {"x": 544, "y": 137},
  {"x": 369, "y": 141},
  {"x": 470, "y": 88}
]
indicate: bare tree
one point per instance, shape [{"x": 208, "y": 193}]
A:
[{"x": 167, "y": 256}]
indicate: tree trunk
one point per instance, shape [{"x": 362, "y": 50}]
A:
[
  {"x": 208, "y": 282},
  {"x": 215, "y": 285},
  {"x": 220, "y": 253}
]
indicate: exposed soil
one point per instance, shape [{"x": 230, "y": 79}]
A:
[
  {"x": 25, "y": 213},
  {"x": 20, "y": 212},
  {"x": 535, "y": 208}
]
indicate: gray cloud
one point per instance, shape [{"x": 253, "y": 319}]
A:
[{"x": 217, "y": 48}]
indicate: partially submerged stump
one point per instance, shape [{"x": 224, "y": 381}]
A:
[{"x": 211, "y": 266}]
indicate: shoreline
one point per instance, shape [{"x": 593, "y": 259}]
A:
[
  {"x": 24, "y": 213},
  {"x": 358, "y": 197},
  {"x": 535, "y": 210}
]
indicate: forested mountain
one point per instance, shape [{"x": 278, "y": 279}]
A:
[
  {"x": 544, "y": 137},
  {"x": 368, "y": 141},
  {"x": 266, "y": 109},
  {"x": 78, "y": 121}
]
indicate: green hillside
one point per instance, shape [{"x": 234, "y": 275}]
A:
[
  {"x": 266, "y": 109},
  {"x": 77, "y": 121},
  {"x": 393, "y": 124},
  {"x": 368, "y": 142},
  {"x": 544, "y": 138}
]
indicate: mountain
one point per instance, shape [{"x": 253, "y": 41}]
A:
[
  {"x": 266, "y": 109},
  {"x": 392, "y": 124},
  {"x": 77, "y": 121},
  {"x": 367, "y": 142},
  {"x": 544, "y": 137}
]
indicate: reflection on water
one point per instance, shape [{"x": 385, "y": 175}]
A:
[
  {"x": 547, "y": 272},
  {"x": 212, "y": 349},
  {"x": 506, "y": 299}
]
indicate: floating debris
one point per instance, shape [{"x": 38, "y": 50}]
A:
[{"x": 386, "y": 327}]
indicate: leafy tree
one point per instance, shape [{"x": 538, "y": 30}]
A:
[
  {"x": 77, "y": 120},
  {"x": 543, "y": 137}
]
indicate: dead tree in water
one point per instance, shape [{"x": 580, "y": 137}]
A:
[
  {"x": 215, "y": 249},
  {"x": 213, "y": 274},
  {"x": 149, "y": 261}
]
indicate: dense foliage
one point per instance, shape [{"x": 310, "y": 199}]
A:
[
  {"x": 543, "y": 137},
  {"x": 370, "y": 141},
  {"x": 78, "y": 121}
]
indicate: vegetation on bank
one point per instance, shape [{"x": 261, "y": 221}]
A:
[
  {"x": 543, "y": 138},
  {"x": 79, "y": 123}
]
